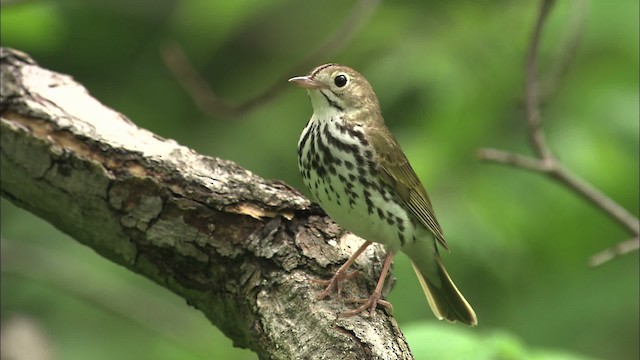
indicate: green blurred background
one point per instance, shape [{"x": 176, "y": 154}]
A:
[{"x": 449, "y": 76}]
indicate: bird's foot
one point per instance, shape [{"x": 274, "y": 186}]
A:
[
  {"x": 369, "y": 304},
  {"x": 335, "y": 282}
]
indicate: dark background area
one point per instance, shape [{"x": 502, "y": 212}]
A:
[{"x": 450, "y": 79}]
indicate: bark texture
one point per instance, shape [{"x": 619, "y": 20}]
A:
[{"x": 239, "y": 248}]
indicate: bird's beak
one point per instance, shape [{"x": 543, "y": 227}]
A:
[{"x": 306, "y": 82}]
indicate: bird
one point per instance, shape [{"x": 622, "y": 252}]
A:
[{"x": 356, "y": 170}]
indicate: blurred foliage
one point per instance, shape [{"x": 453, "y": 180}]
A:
[{"x": 449, "y": 75}]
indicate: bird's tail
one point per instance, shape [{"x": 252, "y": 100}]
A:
[{"x": 445, "y": 299}]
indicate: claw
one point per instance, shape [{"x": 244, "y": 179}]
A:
[
  {"x": 370, "y": 304},
  {"x": 342, "y": 274},
  {"x": 335, "y": 282}
]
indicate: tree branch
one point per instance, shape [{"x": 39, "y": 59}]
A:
[
  {"x": 534, "y": 121},
  {"x": 567, "y": 47},
  {"x": 239, "y": 248},
  {"x": 546, "y": 162},
  {"x": 619, "y": 249},
  {"x": 211, "y": 104}
]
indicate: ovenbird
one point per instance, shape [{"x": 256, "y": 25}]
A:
[{"x": 356, "y": 170}]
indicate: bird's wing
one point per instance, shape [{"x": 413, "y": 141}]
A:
[{"x": 396, "y": 171}]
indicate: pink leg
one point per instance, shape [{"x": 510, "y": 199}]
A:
[
  {"x": 375, "y": 299},
  {"x": 341, "y": 274}
]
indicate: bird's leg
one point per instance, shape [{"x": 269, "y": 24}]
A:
[
  {"x": 341, "y": 274},
  {"x": 375, "y": 299}
]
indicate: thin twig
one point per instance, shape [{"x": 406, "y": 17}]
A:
[
  {"x": 546, "y": 162},
  {"x": 555, "y": 170},
  {"x": 619, "y": 249},
  {"x": 597, "y": 198},
  {"x": 567, "y": 48},
  {"x": 210, "y": 103},
  {"x": 534, "y": 120},
  {"x": 509, "y": 158}
]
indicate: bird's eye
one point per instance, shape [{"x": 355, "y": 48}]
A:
[{"x": 340, "y": 80}]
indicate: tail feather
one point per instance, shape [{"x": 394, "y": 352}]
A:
[{"x": 444, "y": 298}]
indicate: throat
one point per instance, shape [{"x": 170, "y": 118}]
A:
[
  {"x": 326, "y": 105},
  {"x": 332, "y": 103}
]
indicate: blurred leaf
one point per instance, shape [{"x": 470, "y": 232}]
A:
[
  {"x": 38, "y": 25},
  {"x": 445, "y": 342}
]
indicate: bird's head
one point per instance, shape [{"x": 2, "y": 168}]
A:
[{"x": 337, "y": 88}]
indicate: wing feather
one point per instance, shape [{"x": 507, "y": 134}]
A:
[{"x": 399, "y": 175}]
